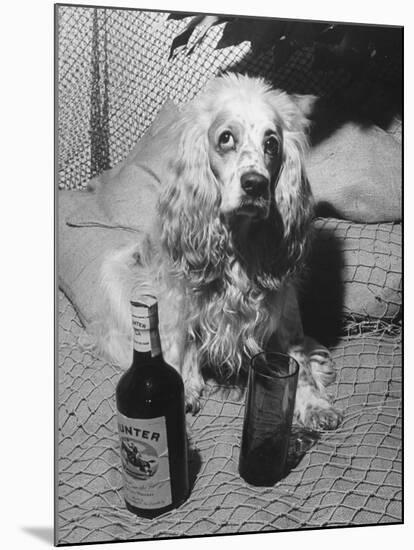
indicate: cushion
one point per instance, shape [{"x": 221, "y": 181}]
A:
[
  {"x": 116, "y": 210},
  {"x": 356, "y": 174},
  {"x": 123, "y": 194},
  {"x": 81, "y": 251}
]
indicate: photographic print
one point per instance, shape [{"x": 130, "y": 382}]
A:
[{"x": 229, "y": 261}]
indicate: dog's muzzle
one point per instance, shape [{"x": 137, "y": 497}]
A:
[
  {"x": 255, "y": 185},
  {"x": 255, "y": 199}
]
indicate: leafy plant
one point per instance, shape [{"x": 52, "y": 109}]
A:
[{"x": 350, "y": 45}]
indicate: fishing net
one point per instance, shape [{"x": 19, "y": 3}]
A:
[
  {"x": 351, "y": 476},
  {"x": 113, "y": 77}
]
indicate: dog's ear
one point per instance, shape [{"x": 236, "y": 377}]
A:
[
  {"x": 292, "y": 194},
  {"x": 189, "y": 203},
  {"x": 306, "y": 105},
  {"x": 295, "y": 110}
]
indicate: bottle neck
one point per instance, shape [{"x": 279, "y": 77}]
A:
[
  {"x": 146, "y": 338},
  {"x": 147, "y": 342}
]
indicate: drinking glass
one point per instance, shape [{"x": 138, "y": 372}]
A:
[{"x": 268, "y": 416}]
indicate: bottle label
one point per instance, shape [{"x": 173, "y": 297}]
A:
[
  {"x": 144, "y": 456},
  {"x": 146, "y": 337}
]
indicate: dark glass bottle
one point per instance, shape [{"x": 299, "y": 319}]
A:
[{"x": 151, "y": 421}]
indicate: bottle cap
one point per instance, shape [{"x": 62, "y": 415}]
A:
[
  {"x": 145, "y": 306},
  {"x": 143, "y": 300}
]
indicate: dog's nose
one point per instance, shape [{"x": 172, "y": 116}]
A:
[{"x": 254, "y": 184}]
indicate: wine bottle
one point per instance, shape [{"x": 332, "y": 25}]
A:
[{"x": 151, "y": 421}]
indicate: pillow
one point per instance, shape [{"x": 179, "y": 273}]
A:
[
  {"x": 81, "y": 251},
  {"x": 124, "y": 194},
  {"x": 356, "y": 174},
  {"x": 117, "y": 210}
]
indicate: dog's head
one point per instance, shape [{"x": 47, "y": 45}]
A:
[
  {"x": 245, "y": 143},
  {"x": 239, "y": 163}
]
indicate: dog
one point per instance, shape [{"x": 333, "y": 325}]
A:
[{"x": 225, "y": 247}]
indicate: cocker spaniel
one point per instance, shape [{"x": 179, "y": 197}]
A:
[{"x": 224, "y": 248}]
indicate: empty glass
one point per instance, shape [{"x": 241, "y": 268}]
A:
[{"x": 268, "y": 416}]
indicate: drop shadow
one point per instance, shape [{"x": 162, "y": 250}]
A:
[
  {"x": 322, "y": 291},
  {"x": 366, "y": 91},
  {"x": 194, "y": 466},
  {"x": 45, "y": 534}
]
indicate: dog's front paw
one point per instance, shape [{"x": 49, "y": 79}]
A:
[
  {"x": 192, "y": 401},
  {"x": 193, "y": 381},
  {"x": 314, "y": 411},
  {"x": 193, "y": 388},
  {"x": 320, "y": 362},
  {"x": 322, "y": 418}
]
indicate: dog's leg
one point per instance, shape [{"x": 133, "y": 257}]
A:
[
  {"x": 185, "y": 360},
  {"x": 193, "y": 379},
  {"x": 187, "y": 365},
  {"x": 313, "y": 407},
  {"x": 178, "y": 349}
]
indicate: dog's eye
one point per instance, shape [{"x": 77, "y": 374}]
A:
[
  {"x": 226, "y": 141},
  {"x": 271, "y": 146}
]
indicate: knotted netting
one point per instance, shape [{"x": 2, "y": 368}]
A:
[
  {"x": 351, "y": 476},
  {"x": 114, "y": 74}
]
